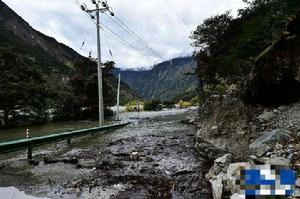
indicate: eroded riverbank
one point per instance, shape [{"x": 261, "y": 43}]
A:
[{"x": 152, "y": 158}]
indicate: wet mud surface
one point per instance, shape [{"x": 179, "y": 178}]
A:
[{"x": 151, "y": 158}]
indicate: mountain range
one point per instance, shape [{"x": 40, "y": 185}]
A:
[
  {"x": 165, "y": 81},
  {"x": 18, "y": 35},
  {"x": 48, "y": 55}
]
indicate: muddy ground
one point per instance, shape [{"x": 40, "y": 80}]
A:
[{"x": 152, "y": 158}]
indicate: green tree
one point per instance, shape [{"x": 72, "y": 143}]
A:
[
  {"x": 82, "y": 101},
  {"x": 152, "y": 105},
  {"x": 208, "y": 37},
  {"x": 228, "y": 47},
  {"x": 22, "y": 86}
]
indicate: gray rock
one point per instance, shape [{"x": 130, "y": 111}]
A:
[
  {"x": 290, "y": 156},
  {"x": 224, "y": 160},
  {"x": 282, "y": 108},
  {"x": 86, "y": 164},
  {"x": 297, "y": 192},
  {"x": 268, "y": 140},
  {"x": 278, "y": 146},
  {"x": 192, "y": 121},
  {"x": 266, "y": 116},
  {"x": 217, "y": 186},
  {"x": 210, "y": 174},
  {"x": 208, "y": 151},
  {"x": 298, "y": 182},
  {"x": 134, "y": 156},
  {"x": 168, "y": 173},
  {"x": 237, "y": 196},
  {"x": 215, "y": 130},
  {"x": 253, "y": 159},
  {"x": 239, "y": 131},
  {"x": 220, "y": 165},
  {"x": 233, "y": 172},
  {"x": 277, "y": 161}
]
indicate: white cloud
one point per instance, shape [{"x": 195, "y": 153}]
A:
[{"x": 163, "y": 24}]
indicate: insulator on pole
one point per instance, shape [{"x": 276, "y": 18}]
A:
[
  {"x": 94, "y": 1},
  {"x": 104, "y": 4},
  {"x": 82, "y": 7},
  {"x": 27, "y": 133}
]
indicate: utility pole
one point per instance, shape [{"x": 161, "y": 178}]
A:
[
  {"x": 118, "y": 99},
  {"x": 138, "y": 108},
  {"x": 95, "y": 13}
]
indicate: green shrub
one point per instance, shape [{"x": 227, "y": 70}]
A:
[
  {"x": 183, "y": 104},
  {"x": 168, "y": 104},
  {"x": 194, "y": 101},
  {"x": 133, "y": 106},
  {"x": 152, "y": 105}
]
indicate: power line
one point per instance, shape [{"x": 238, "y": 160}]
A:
[
  {"x": 88, "y": 36},
  {"x": 156, "y": 52},
  {"x": 118, "y": 37},
  {"x": 134, "y": 35},
  {"x": 124, "y": 42}
]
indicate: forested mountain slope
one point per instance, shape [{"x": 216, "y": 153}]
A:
[
  {"x": 164, "y": 81},
  {"x": 38, "y": 73}
]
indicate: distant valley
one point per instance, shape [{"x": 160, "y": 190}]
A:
[{"x": 164, "y": 81}]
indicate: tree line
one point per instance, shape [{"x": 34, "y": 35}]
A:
[
  {"x": 228, "y": 46},
  {"x": 31, "y": 93}
]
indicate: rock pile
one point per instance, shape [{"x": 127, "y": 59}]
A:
[{"x": 271, "y": 136}]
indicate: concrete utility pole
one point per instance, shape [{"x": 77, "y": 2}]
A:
[
  {"x": 95, "y": 13},
  {"x": 100, "y": 86},
  {"x": 138, "y": 108},
  {"x": 118, "y": 99}
]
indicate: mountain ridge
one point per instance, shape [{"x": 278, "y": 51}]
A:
[
  {"x": 39, "y": 73},
  {"x": 164, "y": 81},
  {"x": 15, "y": 23}
]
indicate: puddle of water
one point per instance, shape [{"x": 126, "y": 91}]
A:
[
  {"x": 14, "y": 193},
  {"x": 43, "y": 129},
  {"x": 57, "y": 127}
]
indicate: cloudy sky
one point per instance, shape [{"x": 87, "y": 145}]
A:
[{"x": 163, "y": 24}]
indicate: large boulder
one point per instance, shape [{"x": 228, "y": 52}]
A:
[
  {"x": 266, "y": 116},
  {"x": 217, "y": 186},
  {"x": 224, "y": 160},
  {"x": 223, "y": 127},
  {"x": 227, "y": 178},
  {"x": 233, "y": 173},
  {"x": 268, "y": 140},
  {"x": 277, "y": 161},
  {"x": 220, "y": 165},
  {"x": 207, "y": 150}
]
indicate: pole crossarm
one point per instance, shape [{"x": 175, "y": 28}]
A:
[
  {"x": 104, "y": 7},
  {"x": 102, "y": 10}
]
